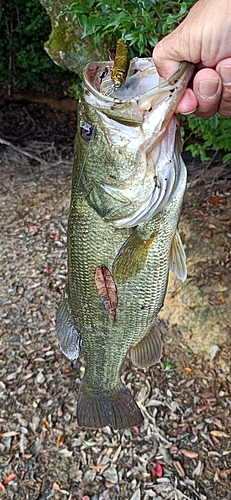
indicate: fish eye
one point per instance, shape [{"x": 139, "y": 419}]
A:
[{"x": 87, "y": 132}]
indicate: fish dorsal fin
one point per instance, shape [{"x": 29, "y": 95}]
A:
[
  {"x": 177, "y": 258},
  {"x": 131, "y": 258},
  {"x": 149, "y": 350},
  {"x": 69, "y": 337}
]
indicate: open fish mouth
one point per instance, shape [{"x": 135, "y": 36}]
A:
[
  {"x": 143, "y": 88},
  {"x": 142, "y": 110}
]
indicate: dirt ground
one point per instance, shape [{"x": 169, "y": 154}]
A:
[{"x": 183, "y": 449}]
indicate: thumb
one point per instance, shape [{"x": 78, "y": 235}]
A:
[{"x": 166, "y": 58}]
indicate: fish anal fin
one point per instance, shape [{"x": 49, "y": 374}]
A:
[
  {"x": 177, "y": 258},
  {"x": 131, "y": 258},
  {"x": 69, "y": 337},
  {"x": 149, "y": 350},
  {"x": 116, "y": 408}
]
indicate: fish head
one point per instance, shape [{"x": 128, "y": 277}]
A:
[{"x": 125, "y": 135}]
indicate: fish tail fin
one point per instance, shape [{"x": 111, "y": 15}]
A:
[{"x": 116, "y": 408}]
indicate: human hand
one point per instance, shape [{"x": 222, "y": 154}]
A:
[{"x": 204, "y": 38}]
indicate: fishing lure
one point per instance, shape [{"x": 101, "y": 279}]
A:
[
  {"x": 119, "y": 71},
  {"x": 121, "y": 64}
]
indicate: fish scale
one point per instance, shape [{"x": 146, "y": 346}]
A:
[{"x": 137, "y": 258}]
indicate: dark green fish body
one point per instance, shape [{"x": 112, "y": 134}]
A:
[{"x": 125, "y": 208}]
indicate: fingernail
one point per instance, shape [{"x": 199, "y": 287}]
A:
[
  {"x": 188, "y": 112},
  {"x": 208, "y": 88},
  {"x": 225, "y": 72}
]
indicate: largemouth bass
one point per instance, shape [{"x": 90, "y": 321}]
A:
[{"x": 128, "y": 186}]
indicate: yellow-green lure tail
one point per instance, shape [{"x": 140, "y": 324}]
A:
[{"x": 121, "y": 64}]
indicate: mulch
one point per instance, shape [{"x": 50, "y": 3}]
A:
[{"x": 183, "y": 449}]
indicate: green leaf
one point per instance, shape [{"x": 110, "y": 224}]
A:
[
  {"x": 90, "y": 443},
  {"x": 118, "y": 20},
  {"x": 168, "y": 366},
  {"x": 83, "y": 21},
  {"x": 75, "y": 8},
  {"x": 90, "y": 3},
  {"x": 226, "y": 158}
]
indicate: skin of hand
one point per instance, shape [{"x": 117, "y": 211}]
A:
[{"x": 203, "y": 38}]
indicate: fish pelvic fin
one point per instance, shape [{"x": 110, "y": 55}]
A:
[
  {"x": 177, "y": 258},
  {"x": 69, "y": 337},
  {"x": 116, "y": 408},
  {"x": 131, "y": 257},
  {"x": 149, "y": 350}
]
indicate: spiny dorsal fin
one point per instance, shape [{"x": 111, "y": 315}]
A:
[
  {"x": 149, "y": 350},
  {"x": 177, "y": 258},
  {"x": 131, "y": 257},
  {"x": 69, "y": 337}
]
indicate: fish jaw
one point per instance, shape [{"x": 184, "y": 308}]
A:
[{"x": 137, "y": 127}]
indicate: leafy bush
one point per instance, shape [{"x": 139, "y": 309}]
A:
[
  {"x": 206, "y": 135},
  {"x": 25, "y": 26},
  {"x": 141, "y": 23}
]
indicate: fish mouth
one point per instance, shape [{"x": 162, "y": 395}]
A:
[
  {"x": 140, "y": 113},
  {"x": 143, "y": 89}
]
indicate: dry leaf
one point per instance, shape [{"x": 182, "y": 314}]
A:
[
  {"x": 9, "y": 434},
  {"x": 219, "y": 434},
  {"x": 106, "y": 289},
  {"x": 55, "y": 486},
  {"x": 97, "y": 467},
  {"x": 45, "y": 423},
  {"x": 223, "y": 474},
  {"x": 9, "y": 478},
  {"x": 218, "y": 423},
  {"x": 179, "y": 468},
  {"x": 60, "y": 441},
  {"x": 188, "y": 453}
]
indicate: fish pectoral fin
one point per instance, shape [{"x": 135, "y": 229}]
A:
[
  {"x": 131, "y": 257},
  {"x": 177, "y": 258},
  {"x": 116, "y": 408},
  {"x": 149, "y": 350},
  {"x": 69, "y": 337}
]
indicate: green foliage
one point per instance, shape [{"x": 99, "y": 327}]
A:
[
  {"x": 205, "y": 135},
  {"x": 141, "y": 23},
  {"x": 25, "y": 26}
]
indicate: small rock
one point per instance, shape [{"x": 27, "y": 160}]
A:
[
  {"x": 88, "y": 477},
  {"x": 40, "y": 379},
  {"x": 21, "y": 389},
  {"x": 215, "y": 349},
  {"x": 35, "y": 422},
  {"x": 111, "y": 475},
  {"x": 23, "y": 443},
  {"x": 23, "y": 430},
  {"x": 136, "y": 495},
  {"x": 66, "y": 453},
  {"x": 67, "y": 417}
]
